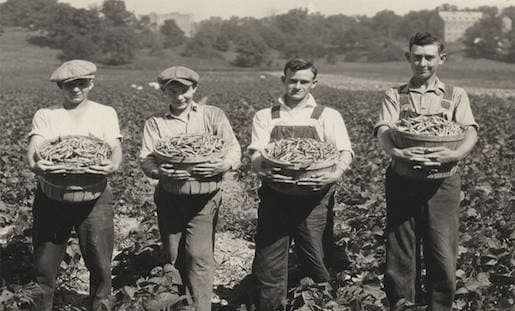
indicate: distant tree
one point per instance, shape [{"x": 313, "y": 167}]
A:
[
  {"x": 79, "y": 46},
  {"x": 116, "y": 13},
  {"x": 251, "y": 50},
  {"x": 117, "y": 45},
  {"x": 485, "y": 38},
  {"x": 25, "y": 13},
  {"x": 386, "y": 23},
  {"x": 447, "y": 7},
  {"x": 173, "y": 35},
  {"x": 425, "y": 20}
]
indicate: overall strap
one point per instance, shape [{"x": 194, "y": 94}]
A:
[
  {"x": 403, "y": 96},
  {"x": 449, "y": 89},
  {"x": 317, "y": 112},
  {"x": 276, "y": 111},
  {"x": 446, "y": 102}
]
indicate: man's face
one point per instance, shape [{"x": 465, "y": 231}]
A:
[
  {"x": 76, "y": 91},
  {"x": 298, "y": 84},
  {"x": 180, "y": 95},
  {"x": 425, "y": 60}
]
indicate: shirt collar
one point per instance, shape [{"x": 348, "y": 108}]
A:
[
  {"x": 192, "y": 108},
  {"x": 309, "y": 102},
  {"x": 436, "y": 86}
]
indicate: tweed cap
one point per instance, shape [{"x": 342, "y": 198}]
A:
[
  {"x": 180, "y": 74},
  {"x": 73, "y": 70}
]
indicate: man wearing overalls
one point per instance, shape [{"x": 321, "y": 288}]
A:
[
  {"x": 420, "y": 208},
  {"x": 281, "y": 216}
]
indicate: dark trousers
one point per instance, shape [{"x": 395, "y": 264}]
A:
[
  {"x": 280, "y": 218},
  {"x": 186, "y": 224},
  {"x": 53, "y": 222},
  {"x": 427, "y": 210}
]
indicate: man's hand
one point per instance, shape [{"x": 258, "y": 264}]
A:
[
  {"x": 168, "y": 171},
  {"x": 443, "y": 155},
  {"x": 42, "y": 167},
  {"x": 106, "y": 167},
  {"x": 212, "y": 168},
  {"x": 275, "y": 175},
  {"x": 319, "y": 180},
  {"x": 416, "y": 155}
]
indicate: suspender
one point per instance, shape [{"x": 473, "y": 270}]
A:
[
  {"x": 404, "y": 100},
  {"x": 317, "y": 112}
]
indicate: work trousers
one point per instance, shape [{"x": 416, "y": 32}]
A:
[
  {"x": 280, "y": 218},
  {"x": 187, "y": 227},
  {"x": 93, "y": 223},
  {"x": 427, "y": 210}
]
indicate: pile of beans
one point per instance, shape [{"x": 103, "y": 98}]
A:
[
  {"x": 301, "y": 150},
  {"x": 75, "y": 151},
  {"x": 428, "y": 125},
  {"x": 190, "y": 146}
]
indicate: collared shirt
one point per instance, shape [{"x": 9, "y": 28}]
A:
[
  {"x": 97, "y": 120},
  {"x": 425, "y": 102},
  {"x": 330, "y": 126},
  {"x": 199, "y": 119}
]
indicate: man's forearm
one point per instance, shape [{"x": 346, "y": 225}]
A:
[
  {"x": 385, "y": 142},
  {"x": 469, "y": 142},
  {"x": 150, "y": 167}
]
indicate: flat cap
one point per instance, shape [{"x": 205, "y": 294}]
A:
[
  {"x": 180, "y": 74},
  {"x": 73, "y": 70}
]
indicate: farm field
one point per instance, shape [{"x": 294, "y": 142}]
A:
[{"x": 486, "y": 277}]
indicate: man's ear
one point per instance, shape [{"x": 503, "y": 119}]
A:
[
  {"x": 91, "y": 84},
  {"x": 407, "y": 55},
  {"x": 283, "y": 78},
  {"x": 443, "y": 57},
  {"x": 314, "y": 83}
]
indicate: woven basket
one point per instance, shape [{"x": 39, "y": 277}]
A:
[
  {"x": 75, "y": 185},
  {"x": 405, "y": 140},
  {"x": 296, "y": 172},
  {"x": 192, "y": 185},
  {"x": 73, "y": 188}
]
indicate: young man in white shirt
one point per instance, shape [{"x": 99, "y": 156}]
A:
[{"x": 281, "y": 216}]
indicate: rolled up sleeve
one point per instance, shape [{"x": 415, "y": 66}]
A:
[
  {"x": 150, "y": 137},
  {"x": 463, "y": 113},
  {"x": 260, "y": 131},
  {"x": 335, "y": 132},
  {"x": 224, "y": 129},
  {"x": 390, "y": 110},
  {"x": 39, "y": 125}
]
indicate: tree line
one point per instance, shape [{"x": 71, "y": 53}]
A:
[{"x": 110, "y": 34}]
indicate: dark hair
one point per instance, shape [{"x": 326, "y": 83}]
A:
[
  {"x": 297, "y": 64},
  {"x": 425, "y": 38}
]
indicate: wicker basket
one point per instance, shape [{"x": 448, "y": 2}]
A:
[
  {"x": 73, "y": 188},
  {"x": 296, "y": 172},
  {"x": 405, "y": 140},
  {"x": 192, "y": 185},
  {"x": 75, "y": 185}
]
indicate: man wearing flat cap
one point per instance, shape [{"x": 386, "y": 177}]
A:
[
  {"x": 54, "y": 216},
  {"x": 187, "y": 221}
]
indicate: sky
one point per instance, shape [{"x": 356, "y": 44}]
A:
[{"x": 202, "y": 9}]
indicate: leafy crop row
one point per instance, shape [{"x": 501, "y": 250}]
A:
[{"x": 142, "y": 281}]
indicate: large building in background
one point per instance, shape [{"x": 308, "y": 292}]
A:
[
  {"x": 457, "y": 22},
  {"x": 184, "y": 21}
]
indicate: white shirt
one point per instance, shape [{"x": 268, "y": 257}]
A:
[
  {"x": 330, "y": 126},
  {"x": 98, "y": 120}
]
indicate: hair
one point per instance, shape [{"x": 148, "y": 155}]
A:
[
  {"x": 297, "y": 64},
  {"x": 425, "y": 38}
]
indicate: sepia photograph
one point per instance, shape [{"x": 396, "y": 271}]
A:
[{"x": 233, "y": 155}]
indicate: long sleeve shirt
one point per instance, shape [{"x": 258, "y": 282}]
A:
[{"x": 198, "y": 119}]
